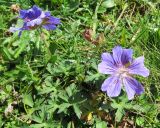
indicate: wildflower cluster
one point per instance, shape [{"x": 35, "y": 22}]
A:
[
  {"x": 66, "y": 78},
  {"x": 121, "y": 66},
  {"x": 34, "y": 18}
]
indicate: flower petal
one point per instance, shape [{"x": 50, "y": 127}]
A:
[
  {"x": 137, "y": 67},
  {"x": 13, "y": 29},
  {"x": 47, "y": 13},
  {"x": 53, "y": 20},
  {"x": 126, "y": 56},
  {"x": 112, "y": 85},
  {"x": 37, "y": 11},
  {"x": 43, "y": 15},
  {"x": 33, "y": 13},
  {"x": 49, "y": 27},
  {"x": 132, "y": 87},
  {"x": 117, "y": 53},
  {"x": 35, "y": 22},
  {"x": 105, "y": 68},
  {"x": 108, "y": 58},
  {"x": 23, "y": 14}
]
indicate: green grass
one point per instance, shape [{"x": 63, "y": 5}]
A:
[{"x": 52, "y": 81}]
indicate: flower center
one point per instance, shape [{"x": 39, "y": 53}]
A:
[{"x": 122, "y": 72}]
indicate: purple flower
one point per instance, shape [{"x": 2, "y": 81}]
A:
[
  {"x": 34, "y": 18},
  {"x": 121, "y": 66}
]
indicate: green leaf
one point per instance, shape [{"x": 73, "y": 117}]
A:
[
  {"x": 52, "y": 48},
  {"x": 42, "y": 125},
  {"x": 63, "y": 106},
  {"x": 19, "y": 50},
  {"x": 22, "y": 45},
  {"x": 69, "y": 125},
  {"x": 71, "y": 89},
  {"x": 53, "y": 59},
  {"x": 39, "y": 115},
  {"x": 101, "y": 124},
  {"x": 120, "y": 109},
  {"x": 101, "y": 9},
  {"x": 1, "y": 121},
  {"x": 139, "y": 108},
  {"x": 37, "y": 119},
  {"x": 52, "y": 107},
  {"x": 119, "y": 114},
  {"x": 9, "y": 88},
  {"x": 108, "y": 3},
  {"x": 27, "y": 100},
  {"x": 77, "y": 110},
  {"x": 140, "y": 121},
  {"x": 7, "y": 54},
  {"x": 63, "y": 96},
  {"x": 37, "y": 1},
  {"x": 46, "y": 90},
  {"x": 92, "y": 77}
]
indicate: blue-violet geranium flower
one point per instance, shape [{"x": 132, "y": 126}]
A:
[
  {"x": 34, "y": 18},
  {"x": 121, "y": 66}
]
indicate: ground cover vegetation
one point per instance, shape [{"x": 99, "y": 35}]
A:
[{"x": 63, "y": 63}]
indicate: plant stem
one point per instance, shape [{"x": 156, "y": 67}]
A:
[{"x": 95, "y": 19}]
